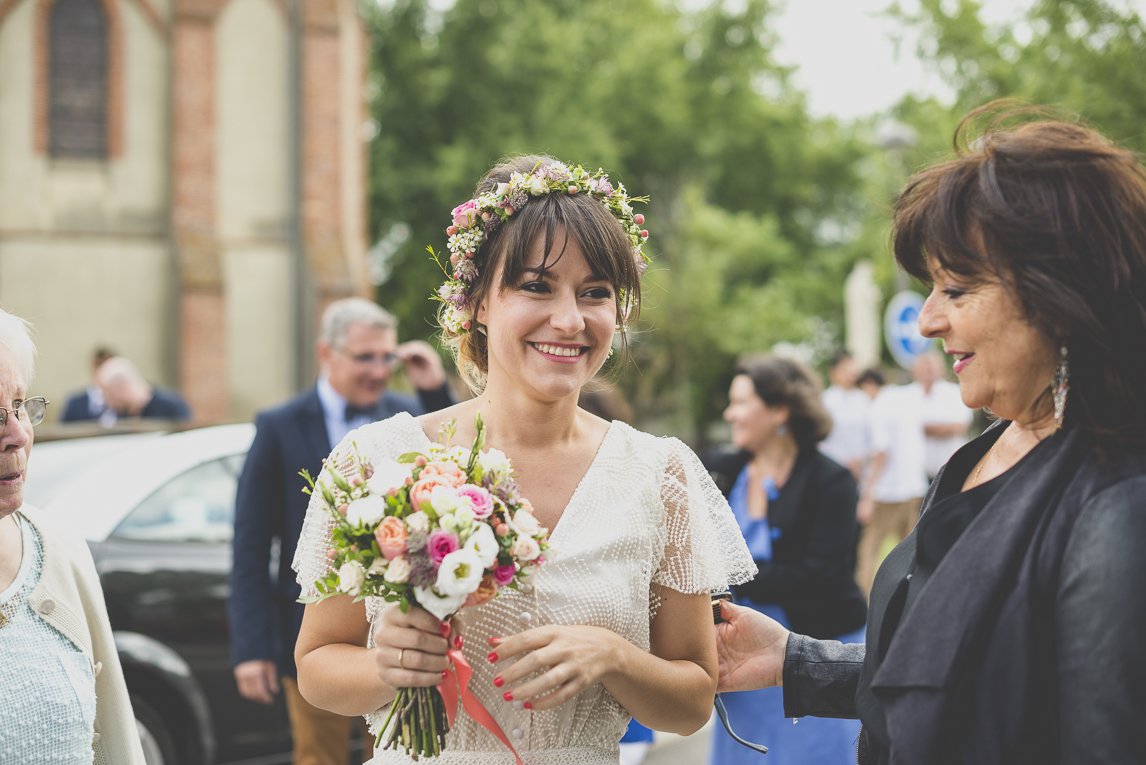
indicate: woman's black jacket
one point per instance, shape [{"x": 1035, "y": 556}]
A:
[
  {"x": 1026, "y": 645},
  {"x": 814, "y": 530}
]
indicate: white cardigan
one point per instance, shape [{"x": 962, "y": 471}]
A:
[{"x": 69, "y": 597}]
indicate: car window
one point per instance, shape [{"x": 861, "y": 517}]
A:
[{"x": 195, "y": 506}]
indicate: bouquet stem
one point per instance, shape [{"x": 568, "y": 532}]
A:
[{"x": 416, "y": 723}]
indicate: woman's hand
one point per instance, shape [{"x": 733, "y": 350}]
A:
[
  {"x": 572, "y": 657},
  {"x": 410, "y": 648},
  {"x": 751, "y": 648}
]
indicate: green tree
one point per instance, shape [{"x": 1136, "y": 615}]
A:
[{"x": 751, "y": 197}]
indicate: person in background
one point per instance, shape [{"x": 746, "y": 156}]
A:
[
  {"x": 847, "y": 404},
  {"x": 945, "y": 416},
  {"x": 64, "y": 698},
  {"x": 896, "y": 480},
  {"x": 871, "y": 381},
  {"x": 357, "y": 351},
  {"x": 796, "y": 509},
  {"x": 89, "y": 403},
  {"x": 129, "y": 395}
]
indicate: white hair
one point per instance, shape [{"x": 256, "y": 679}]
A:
[
  {"x": 16, "y": 336},
  {"x": 340, "y": 314}
]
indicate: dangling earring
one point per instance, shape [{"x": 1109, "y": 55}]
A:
[
  {"x": 781, "y": 430},
  {"x": 481, "y": 328},
  {"x": 1061, "y": 388}
]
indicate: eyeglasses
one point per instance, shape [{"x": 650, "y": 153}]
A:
[
  {"x": 385, "y": 359},
  {"x": 34, "y": 409}
]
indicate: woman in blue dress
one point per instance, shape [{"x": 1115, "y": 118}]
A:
[{"x": 796, "y": 508}]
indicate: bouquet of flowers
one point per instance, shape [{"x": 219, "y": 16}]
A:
[{"x": 444, "y": 529}]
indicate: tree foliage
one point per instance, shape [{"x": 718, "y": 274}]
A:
[{"x": 751, "y": 197}]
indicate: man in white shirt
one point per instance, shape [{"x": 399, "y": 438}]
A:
[
  {"x": 848, "y": 405},
  {"x": 896, "y": 480},
  {"x": 945, "y": 417}
]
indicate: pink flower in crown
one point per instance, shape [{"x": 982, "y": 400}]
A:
[
  {"x": 480, "y": 499},
  {"x": 503, "y": 575},
  {"x": 465, "y": 214},
  {"x": 441, "y": 544}
]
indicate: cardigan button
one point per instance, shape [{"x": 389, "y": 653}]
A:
[
  {"x": 97, "y": 668},
  {"x": 95, "y": 738},
  {"x": 47, "y": 606},
  {"x": 517, "y": 733}
]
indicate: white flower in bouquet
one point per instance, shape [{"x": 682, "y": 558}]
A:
[
  {"x": 377, "y": 567},
  {"x": 351, "y": 577},
  {"x": 526, "y": 522},
  {"x": 494, "y": 462},
  {"x": 460, "y": 573},
  {"x": 387, "y": 476},
  {"x": 458, "y": 454},
  {"x": 464, "y": 516},
  {"x": 418, "y": 521},
  {"x": 398, "y": 571},
  {"x": 368, "y": 510},
  {"x": 444, "y": 499},
  {"x": 483, "y": 542},
  {"x": 440, "y": 606},
  {"x": 525, "y": 549}
]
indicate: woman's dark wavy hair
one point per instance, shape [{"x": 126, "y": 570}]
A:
[
  {"x": 784, "y": 382},
  {"x": 600, "y": 236},
  {"x": 1058, "y": 213}
]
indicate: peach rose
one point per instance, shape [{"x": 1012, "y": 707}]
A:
[
  {"x": 391, "y": 536},
  {"x": 484, "y": 593},
  {"x": 421, "y": 491},
  {"x": 453, "y": 475}
]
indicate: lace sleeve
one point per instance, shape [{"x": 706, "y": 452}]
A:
[{"x": 704, "y": 550}]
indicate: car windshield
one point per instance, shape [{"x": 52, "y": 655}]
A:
[{"x": 51, "y": 465}]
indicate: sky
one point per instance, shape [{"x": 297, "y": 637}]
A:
[{"x": 848, "y": 61}]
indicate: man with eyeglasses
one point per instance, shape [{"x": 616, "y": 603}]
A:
[{"x": 358, "y": 350}]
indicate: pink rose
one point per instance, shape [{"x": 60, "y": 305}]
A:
[
  {"x": 391, "y": 536},
  {"x": 422, "y": 490},
  {"x": 441, "y": 544},
  {"x": 503, "y": 575},
  {"x": 465, "y": 214},
  {"x": 480, "y": 499},
  {"x": 449, "y": 472}
]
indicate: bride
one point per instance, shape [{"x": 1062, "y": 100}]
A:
[{"x": 619, "y": 623}]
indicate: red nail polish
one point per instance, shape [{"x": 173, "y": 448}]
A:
[
  {"x": 492, "y": 657},
  {"x": 458, "y": 642},
  {"x": 498, "y": 682},
  {"x": 444, "y": 628},
  {"x": 445, "y": 674},
  {"x": 528, "y": 705},
  {"x": 495, "y": 640},
  {"x": 508, "y": 695}
]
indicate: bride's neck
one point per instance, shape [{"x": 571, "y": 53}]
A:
[{"x": 513, "y": 418}]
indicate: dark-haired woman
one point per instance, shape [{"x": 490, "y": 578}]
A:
[
  {"x": 619, "y": 623},
  {"x": 797, "y": 510},
  {"x": 1007, "y": 627}
]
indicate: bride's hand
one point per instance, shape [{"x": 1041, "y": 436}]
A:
[
  {"x": 751, "y": 649},
  {"x": 410, "y": 648},
  {"x": 573, "y": 657}
]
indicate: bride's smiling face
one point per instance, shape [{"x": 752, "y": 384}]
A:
[{"x": 551, "y": 331}]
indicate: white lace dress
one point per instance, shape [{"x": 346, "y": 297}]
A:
[{"x": 646, "y": 516}]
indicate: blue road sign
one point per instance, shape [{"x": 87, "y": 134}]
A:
[{"x": 901, "y": 329}]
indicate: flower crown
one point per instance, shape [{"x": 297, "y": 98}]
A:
[{"x": 474, "y": 221}]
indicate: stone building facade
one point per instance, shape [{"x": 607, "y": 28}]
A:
[{"x": 183, "y": 181}]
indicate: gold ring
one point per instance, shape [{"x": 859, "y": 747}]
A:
[{"x": 400, "y": 652}]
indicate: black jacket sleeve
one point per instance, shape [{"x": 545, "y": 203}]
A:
[
  {"x": 821, "y": 676},
  {"x": 1100, "y": 620},
  {"x": 436, "y": 399},
  {"x": 828, "y": 553},
  {"x": 259, "y": 512}
]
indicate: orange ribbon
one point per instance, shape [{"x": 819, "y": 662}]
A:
[{"x": 449, "y": 690}]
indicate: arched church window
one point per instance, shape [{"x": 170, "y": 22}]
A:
[{"x": 78, "y": 56}]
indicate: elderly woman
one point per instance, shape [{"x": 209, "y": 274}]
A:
[
  {"x": 797, "y": 510},
  {"x": 64, "y": 697},
  {"x": 1007, "y": 628}
]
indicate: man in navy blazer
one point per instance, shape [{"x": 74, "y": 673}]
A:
[{"x": 357, "y": 351}]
